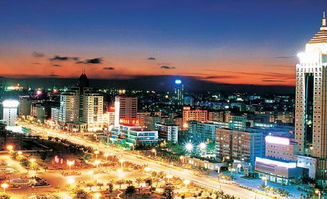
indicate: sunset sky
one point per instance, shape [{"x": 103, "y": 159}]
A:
[{"x": 242, "y": 42}]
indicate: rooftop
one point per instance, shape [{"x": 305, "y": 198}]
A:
[{"x": 321, "y": 36}]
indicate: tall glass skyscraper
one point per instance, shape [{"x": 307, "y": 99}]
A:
[{"x": 311, "y": 101}]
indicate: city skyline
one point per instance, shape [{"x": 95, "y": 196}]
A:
[{"x": 222, "y": 42}]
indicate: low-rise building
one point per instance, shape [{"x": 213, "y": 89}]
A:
[
  {"x": 280, "y": 163},
  {"x": 168, "y": 133}
]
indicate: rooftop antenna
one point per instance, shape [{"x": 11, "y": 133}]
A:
[{"x": 324, "y": 19}]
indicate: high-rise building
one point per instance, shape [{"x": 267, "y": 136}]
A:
[
  {"x": 109, "y": 117},
  {"x": 25, "y": 105},
  {"x": 55, "y": 114},
  {"x": 93, "y": 111},
  {"x": 311, "y": 103},
  {"x": 126, "y": 111},
  {"x": 38, "y": 111},
  {"x": 179, "y": 92},
  {"x": 69, "y": 107},
  {"x": 10, "y": 111}
]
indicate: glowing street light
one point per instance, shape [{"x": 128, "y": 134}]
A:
[
  {"x": 147, "y": 169},
  {"x": 70, "y": 163},
  {"x": 97, "y": 195},
  {"x": 203, "y": 146},
  {"x": 264, "y": 178},
  {"x": 10, "y": 148},
  {"x": 185, "y": 125},
  {"x": 154, "y": 151},
  {"x": 19, "y": 153},
  {"x": 121, "y": 162},
  {"x": 186, "y": 182},
  {"x": 70, "y": 181},
  {"x": 120, "y": 173},
  {"x": 106, "y": 155},
  {"x": 97, "y": 162},
  {"x": 4, "y": 186},
  {"x": 96, "y": 154},
  {"x": 169, "y": 177},
  {"x": 189, "y": 147},
  {"x": 317, "y": 191}
]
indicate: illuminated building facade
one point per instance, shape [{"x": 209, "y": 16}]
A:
[
  {"x": 93, "y": 111},
  {"x": 25, "y": 105},
  {"x": 179, "y": 92},
  {"x": 280, "y": 163},
  {"x": 10, "y": 110},
  {"x": 126, "y": 111},
  {"x": 282, "y": 148},
  {"x": 311, "y": 103},
  {"x": 239, "y": 145},
  {"x": 194, "y": 115},
  {"x": 69, "y": 106},
  {"x": 168, "y": 133}
]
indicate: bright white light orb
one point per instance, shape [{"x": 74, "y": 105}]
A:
[
  {"x": 202, "y": 146},
  {"x": 189, "y": 147},
  {"x": 178, "y": 81}
]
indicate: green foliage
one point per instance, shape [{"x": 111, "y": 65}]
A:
[
  {"x": 130, "y": 190},
  {"x": 4, "y": 196},
  {"x": 80, "y": 194}
]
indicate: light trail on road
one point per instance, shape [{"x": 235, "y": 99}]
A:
[{"x": 204, "y": 181}]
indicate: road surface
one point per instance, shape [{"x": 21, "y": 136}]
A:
[{"x": 205, "y": 181}]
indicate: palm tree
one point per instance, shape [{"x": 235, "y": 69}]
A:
[
  {"x": 90, "y": 185},
  {"x": 80, "y": 194},
  {"x": 120, "y": 183},
  {"x": 4, "y": 196}
]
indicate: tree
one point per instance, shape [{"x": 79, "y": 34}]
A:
[
  {"x": 130, "y": 190},
  {"x": 120, "y": 183},
  {"x": 169, "y": 192},
  {"x": 110, "y": 187},
  {"x": 4, "y": 196},
  {"x": 80, "y": 194}
]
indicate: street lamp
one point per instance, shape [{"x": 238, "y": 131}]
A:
[
  {"x": 317, "y": 191},
  {"x": 203, "y": 146},
  {"x": 154, "y": 151},
  {"x": 97, "y": 162},
  {"x": 120, "y": 173},
  {"x": 169, "y": 177},
  {"x": 32, "y": 164},
  {"x": 121, "y": 162},
  {"x": 4, "y": 186},
  {"x": 70, "y": 181},
  {"x": 10, "y": 148},
  {"x": 189, "y": 147},
  {"x": 96, "y": 154},
  {"x": 186, "y": 182},
  {"x": 106, "y": 155},
  {"x": 97, "y": 195},
  {"x": 70, "y": 163},
  {"x": 264, "y": 178}
]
